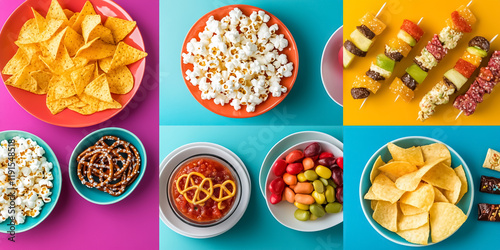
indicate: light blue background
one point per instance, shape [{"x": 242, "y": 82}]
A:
[
  {"x": 471, "y": 143},
  {"x": 311, "y": 24},
  {"x": 257, "y": 229}
]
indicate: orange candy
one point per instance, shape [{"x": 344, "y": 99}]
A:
[
  {"x": 467, "y": 15},
  {"x": 366, "y": 82},
  {"x": 373, "y": 23},
  {"x": 473, "y": 59},
  {"x": 399, "y": 88},
  {"x": 399, "y": 45}
]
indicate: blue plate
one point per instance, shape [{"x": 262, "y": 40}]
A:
[
  {"x": 56, "y": 189},
  {"x": 465, "y": 203},
  {"x": 91, "y": 194}
]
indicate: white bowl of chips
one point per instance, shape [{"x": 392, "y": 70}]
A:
[{"x": 421, "y": 196}]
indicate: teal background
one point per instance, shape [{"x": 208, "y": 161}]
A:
[
  {"x": 311, "y": 24},
  {"x": 471, "y": 143},
  {"x": 257, "y": 229}
]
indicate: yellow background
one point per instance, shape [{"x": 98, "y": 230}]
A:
[{"x": 380, "y": 109}]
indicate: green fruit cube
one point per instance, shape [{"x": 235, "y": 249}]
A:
[
  {"x": 456, "y": 78},
  {"x": 360, "y": 40},
  {"x": 385, "y": 62},
  {"x": 416, "y": 73},
  {"x": 407, "y": 38},
  {"x": 477, "y": 51}
]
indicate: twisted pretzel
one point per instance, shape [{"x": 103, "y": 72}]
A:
[{"x": 109, "y": 168}]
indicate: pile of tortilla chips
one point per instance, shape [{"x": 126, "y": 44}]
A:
[
  {"x": 415, "y": 193},
  {"x": 74, "y": 58}
]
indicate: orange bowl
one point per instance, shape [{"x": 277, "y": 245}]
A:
[
  {"x": 35, "y": 104},
  {"x": 227, "y": 110}
]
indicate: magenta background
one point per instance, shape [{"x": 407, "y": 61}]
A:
[{"x": 76, "y": 223}]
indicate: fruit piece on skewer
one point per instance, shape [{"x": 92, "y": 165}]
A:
[
  {"x": 366, "y": 82},
  {"x": 412, "y": 29},
  {"x": 399, "y": 88},
  {"x": 465, "y": 68},
  {"x": 373, "y": 23}
]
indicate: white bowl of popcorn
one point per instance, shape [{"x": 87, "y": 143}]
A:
[
  {"x": 239, "y": 61},
  {"x": 36, "y": 181}
]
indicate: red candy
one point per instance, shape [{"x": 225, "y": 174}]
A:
[
  {"x": 340, "y": 162},
  {"x": 279, "y": 167},
  {"x": 294, "y": 156},
  {"x": 436, "y": 48},
  {"x": 412, "y": 29},
  {"x": 275, "y": 198},
  {"x": 460, "y": 23},
  {"x": 326, "y": 155},
  {"x": 465, "y": 68},
  {"x": 294, "y": 168},
  {"x": 277, "y": 186}
]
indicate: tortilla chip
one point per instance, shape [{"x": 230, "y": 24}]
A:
[
  {"x": 441, "y": 176},
  {"x": 422, "y": 197},
  {"x": 68, "y": 13},
  {"x": 96, "y": 49},
  {"x": 445, "y": 219},
  {"x": 418, "y": 236},
  {"x": 385, "y": 189},
  {"x": 463, "y": 179},
  {"x": 373, "y": 204},
  {"x": 60, "y": 87},
  {"x": 82, "y": 77},
  {"x": 87, "y": 9},
  {"x": 101, "y": 32},
  {"x": 120, "y": 80},
  {"x": 73, "y": 41},
  {"x": 29, "y": 49},
  {"x": 40, "y": 21},
  {"x": 106, "y": 105},
  {"x": 105, "y": 65},
  {"x": 80, "y": 62},
  {"x": 88, "y": 25},
  {"x": 41, "y": 79},
  {"x": 51, "y": 28},
  {"x": 398, "y": 168},
  {"x": 452, "y": 195},
  {"x": 72, "y": 19},
  {"x": 29, "y": 32},
  {"x": 439, "y": 196},
  {"x": 436, "y": 151},
  {"x": 62, "y": 62},
  {"x": 56, "y": 106},
  {"x": 119, "y": 28},
  {"x": 51, "y": 46},
  {"x": 22, "y": 80},
  {"x": 406, "y": 222},
  {"x": 99, "y": 89},
  {"x": 370, "y": 195},
  {"x": 56, "y": 12},
  {"x": 125, "y": 55},
  {"x": 409, "y": 209},
  {"x": 386, "y": 214},
  {"x": 412, "y": 155},
  {"x": 16, "y": 63},
  {"x": 409, "y": 182}
]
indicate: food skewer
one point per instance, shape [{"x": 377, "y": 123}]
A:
[
  {"x": 361, "y": 39},
  {"x": 395, "y": 50},
  {"x": 461, "y": 21},
  {"x": 484, "y": 83},
  {"x": 455, "y": 78}
]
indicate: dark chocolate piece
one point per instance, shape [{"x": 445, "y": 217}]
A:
[
  {"x": 395, "y": 56},
  {"x": 488, "y": 212},
  {"x": 349, "y": 46},
  {"x": 359, "y": 93},
  {"x": 375, "y": 75},
  {"x": 420, "y": 65},
  {"x": 480, "y": 42},
  {"x": 489, "y": 185},
  {"x": 409, "y": 81},
  {"x": 366, "y": 31}
]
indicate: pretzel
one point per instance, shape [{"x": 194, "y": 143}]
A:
[{"x": 109, "y": 168}]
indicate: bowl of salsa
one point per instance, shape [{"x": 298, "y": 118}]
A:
[{"x": 204, "y": 190}]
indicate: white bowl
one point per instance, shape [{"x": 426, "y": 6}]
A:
[
  {"x": 331, "y": 69},
  {"x": 283, "y": 211}
]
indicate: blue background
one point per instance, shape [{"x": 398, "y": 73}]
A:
[
  {"x": 471, "y": 143},
  {"x": 311, "y": 24},
  {"x": 257, "y": 229}
]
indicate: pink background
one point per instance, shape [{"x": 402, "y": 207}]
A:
[{"x": 76, "y": 223}]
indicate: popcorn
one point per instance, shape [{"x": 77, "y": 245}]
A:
[
  {"x": 33, "y": 180},
  {"x": 237, "y": 61}
]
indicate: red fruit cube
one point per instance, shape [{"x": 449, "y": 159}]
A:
[
  {"x": 412, "y": 29},
  {"x": 465, "y": 68},
  {"x": 460, "y": 22}
]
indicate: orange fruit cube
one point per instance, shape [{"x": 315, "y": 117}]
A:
[
  {"x": 465, "y": 12},
  {"x": 399, "y": 88},
  {"x": 373, "y": 23},
  {"x": 472, "y": 59},
  {"x": 399, "y": 45},
  {"x": 366, "y": 82}
]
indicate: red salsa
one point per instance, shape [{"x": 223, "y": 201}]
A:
[{"x": 208, "y": 210}]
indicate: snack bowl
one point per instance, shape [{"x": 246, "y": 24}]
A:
[
  {"x": 465, "y": 203},
  {"x": 216, "y": 160},
  {"x": 283, "y": 211},
  {"x": 94, "y": 195},
  {"x": 56, "y": 189},
  {"x": 331, "y": 67},
  {"x": 169, "y": 213}
]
